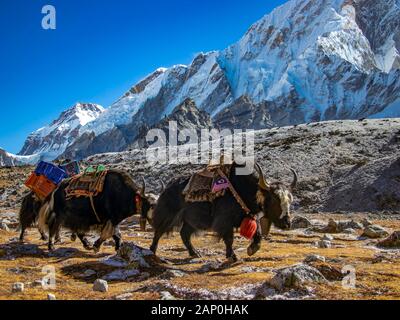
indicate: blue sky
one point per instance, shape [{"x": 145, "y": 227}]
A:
[{"x": 100, "y": 49}]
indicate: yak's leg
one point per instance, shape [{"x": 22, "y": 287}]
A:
[
  {"x": 53, "y": 230},
  {"x": 85, "y": 242},
  {"x": 186, "y": 235},
  {"x": 157, "y": 236},
  {"x": 73, "y": 237},
  {"x": 265, "y": 227},
  {"x": 43, "y": 235},
  {"x": 117, "y": 238},
  {"x": 22, "y": 234},
  {"x": 256, "y": 243},
  {"x": 228, "y": 240},
  {"x": 106, "y": 232},
  {"x": 58, "y": 237}
]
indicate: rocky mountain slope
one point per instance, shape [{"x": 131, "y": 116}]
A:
[
  {"x": 343, "y": 166},
  {"x": 51, "y": 141},
  {"x": 307, "y": 61}
]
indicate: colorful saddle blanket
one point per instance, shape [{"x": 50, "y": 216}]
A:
[
  {"x": 207, "y": 185},
  {"x": 88, "y": 184}
]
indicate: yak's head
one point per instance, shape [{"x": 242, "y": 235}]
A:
[
  {"x": 151, "y": 202},
  {"x": 275, "y": 199}
]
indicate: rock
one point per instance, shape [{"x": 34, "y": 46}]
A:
[
  {"x": 393, "y": 241},
  {"x": 314, "y": 258},
  {"x": 350, "y": 225},
  {"x": 37, "y": 283},
  {"x": 332, "y": 227},
  {"x": 51, "y": 296},
  {"x": 18, "y": 287},
  {"x": 366, "y": 223},
  {"x": 165, "y": 295},
  {"x": 169, "y": 274},
  {"x": 323, "y": 244},
  {"x": 4, "y": 227},
  {"x": 349, "y": 231},
  {"x": 330, "y": 272},
  {"x": 327, "y": 237},
  {"x": 100, "y": 285},
  {"x": 121, "y": 274},
  {"x": 89, "y": 273},
  {"x": 134, "y": 254},
  {"x": 125, "y": 296},
  {"x": 375, "y": 232},
  {"x": 296, "y": 276},
  {"x": 300, "y": 222}
]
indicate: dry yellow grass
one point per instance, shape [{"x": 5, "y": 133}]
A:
[{"x": 375, "y": 279}]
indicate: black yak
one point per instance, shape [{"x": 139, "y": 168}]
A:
[
  {"x": 223, "y": 215},
  {"x": 29, "y": 214},
  {"x": 32, "y": 213},
  {"x": 120, "y": 199}
]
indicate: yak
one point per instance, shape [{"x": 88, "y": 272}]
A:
[
  {"x": 29, "y": 214},
  {"x": 120, "y": 199},
  {"x": 32, "y": 213},
  {"x": 264, "y": 200}
]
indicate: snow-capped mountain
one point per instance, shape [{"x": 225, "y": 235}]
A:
[
  {"x": 306, "y": 61},
  {"x": 51, "y": 141}
]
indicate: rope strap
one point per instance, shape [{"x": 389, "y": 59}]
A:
[
  {"x": 94, "y": 209},
  {"x": 235, "y": 194}
]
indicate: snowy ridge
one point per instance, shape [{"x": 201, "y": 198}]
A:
[{"x": 306, "y": 61}]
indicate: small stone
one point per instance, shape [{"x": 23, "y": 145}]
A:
[
  {"x": 51, "y": 296},
  {"x": 165, "y": 295},
  {"x": 366, "y": 223},
  {"x": 393, "y": 241},
  {"x": 300, "y": 222},
  {"x": 296, "y": 276},
  {"x": 4, "y": 227},
  {"x": 125, "y": 296},
  {"x": 88, "y": 273},
  {"x": 332, "y": 227},
  {"x": 169, "y": 274},
  {"x": 100, "y": 285},
  {"x": 327, "y": 237},
  {"x": 314, "y": 258},
  {"x": 18, "y": 287},
  {"x": 323, "y": 244},
  {"x": 349, "y": 231},
  {"x": 37, "y": 283},
  {"x": 375, "y": 232}
]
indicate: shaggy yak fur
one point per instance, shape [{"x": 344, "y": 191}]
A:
[
  {"x": 29, "y": 214},
  {"x": 271, "y": 202},
  {"x": 116, "y": 203}
]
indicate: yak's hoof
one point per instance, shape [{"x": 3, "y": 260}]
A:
[
  {"x": 96, "y": 249},
  {"x": 73, "y": 237},
  {"x": 195, "y": 254},
  {"x": 253, "y": 249},
  {"x": 51, "y": 247},
  {"x": 232, "y": 259}
]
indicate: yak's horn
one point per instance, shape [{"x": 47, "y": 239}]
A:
[
  {"x": 143, "y": 191},
  {"x": 162, "y": 186},
  {"x": 295, "y": 179},
  {"x": 262, "y": 183}
]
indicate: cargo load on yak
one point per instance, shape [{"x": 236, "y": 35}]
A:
[{"x": 47, "y": 176}]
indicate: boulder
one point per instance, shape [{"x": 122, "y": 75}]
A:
[
  {"x": 100, "y": 285},
  {"x": 330, "y": 272},
  {"x": 393, "y": 241},
  {"x": 375, "y": 232},
  {"x": 297, "y": 277},
  {"x": 313, "y": 258},
  {"x": 300, "y": 222},
  {"x": 51, "y": 296},
  {"x": 18, "y": 287},
  {"x": 323, "y": 244}
]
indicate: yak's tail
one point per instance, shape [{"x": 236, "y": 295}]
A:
[{"x": 44, "y": 214}]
